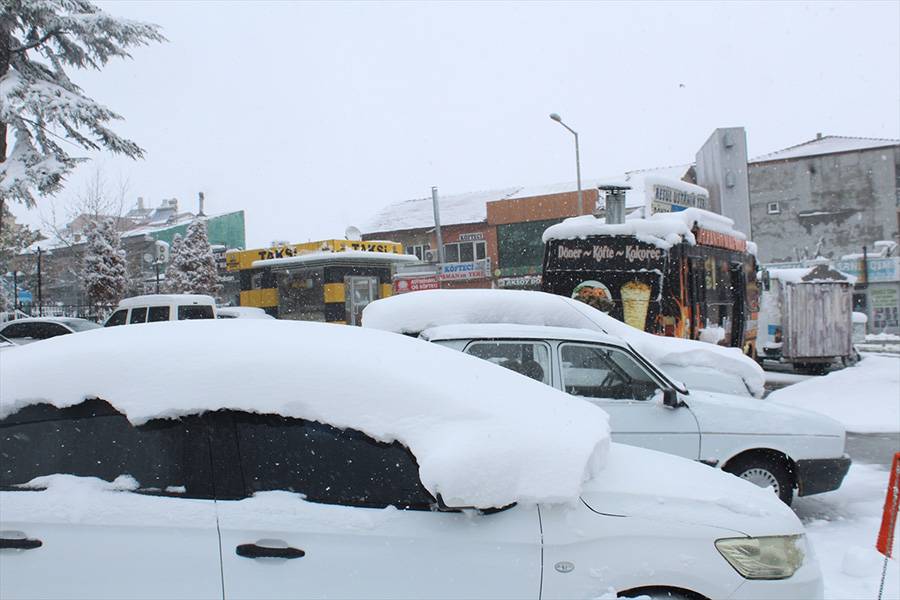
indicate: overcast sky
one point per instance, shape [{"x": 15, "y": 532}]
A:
[{"x": 311, "y": 116}]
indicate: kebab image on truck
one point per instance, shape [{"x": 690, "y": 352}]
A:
[{"x": 676, "y": 274}]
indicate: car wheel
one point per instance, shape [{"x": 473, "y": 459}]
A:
[{"x": 765, "y": 472}]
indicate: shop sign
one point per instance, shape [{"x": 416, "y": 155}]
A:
[
  {"x": 707, "y": 237},
  {"x": 471, "y": 237},
  {"x": 879, "y": 269},
  {"x": 885, "y": 307},
  {"x": 664, "y": 198},
  {"x": 524, "y": 281},
  {"x": 477, "y": 269},
  {"x": 613, "y": 252},
  {"x": 414, "y": 284}
]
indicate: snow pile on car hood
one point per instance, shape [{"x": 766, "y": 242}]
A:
[
  {"x": 415, "y": 312},
  {"x": 483, "y": 436},
  {"x": 663, "y": 230}
]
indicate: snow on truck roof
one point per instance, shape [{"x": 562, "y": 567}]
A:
[
  {"x": 663, "y": 230},
  {"x": 415, "y": 312},
  {"x": 483, "y": 436}
]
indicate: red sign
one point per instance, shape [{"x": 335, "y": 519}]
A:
[
  {"x": 889, "y": 515},
  {"x": 707, "y": 237},
  {"x": 414, "y": 284}
]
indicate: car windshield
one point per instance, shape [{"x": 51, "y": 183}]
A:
[
  {"x": 80, "y": 324},
  {"x": 708, "y": 379}
]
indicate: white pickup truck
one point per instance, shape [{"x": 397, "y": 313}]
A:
[{"x": 768, "y": 444}]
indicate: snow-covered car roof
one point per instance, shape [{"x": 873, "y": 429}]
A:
[
  {"x": 414, "y": 312},
  {"x": 73, "y": 323},
  {"x": 242, "y": 312},
  {"x": 483, "y": 435},
  {"x": 153, "y": 299},
  {"x": 513, "y": 331}
]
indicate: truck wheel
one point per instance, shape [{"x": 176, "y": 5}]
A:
[{"x": 765, "y": 472}]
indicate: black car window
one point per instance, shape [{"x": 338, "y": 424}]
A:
[
  {"x": 168, "y": 457},
  {"x": 45, "y": 331},
  {"x": 158, "y": 313},
  {"x": 326, "y": 464},
  {"x": 117, "y": 318},
  {"x": 19, "y": 330},
  {"x": 201, "y": 311},
  {"x": 138, "y": 315}
]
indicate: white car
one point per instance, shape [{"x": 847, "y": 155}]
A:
[
  {"x": 26, "y": 331},
  {"x": 241, "y": 312},
  {"x": 348, "y": 463},
  {"x": 153, "y": 308},
  {"x": 771, "y": 445}
]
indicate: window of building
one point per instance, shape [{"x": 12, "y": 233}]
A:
[
  {"x": 326, "y": 464},
  {"x": 465, "y": 251},
  {"x": 92, "y": 439},
  {"x": 774, "y": 208},
  {"x": 418, "y": 250}
]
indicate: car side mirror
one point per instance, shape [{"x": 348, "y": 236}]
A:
[{"x": 670, "y": 398}]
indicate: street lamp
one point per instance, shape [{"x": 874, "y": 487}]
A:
[{"x": 559, "y": 120}]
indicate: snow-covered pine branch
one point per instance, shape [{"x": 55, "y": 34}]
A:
[{"x": 39, "y": 40}]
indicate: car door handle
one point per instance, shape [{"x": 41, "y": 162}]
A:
[
  {"x": 254, "y": 551},
  {"x": 20, "y": 543}
]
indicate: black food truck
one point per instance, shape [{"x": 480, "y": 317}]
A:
[{"x": 689, "y": 282}]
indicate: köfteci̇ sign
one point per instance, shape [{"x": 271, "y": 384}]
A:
[
  {"x": 415, "y": 284},
  {"x": 478, "y": 269}
]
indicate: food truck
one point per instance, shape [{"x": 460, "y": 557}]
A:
[
  {"x": 686, "y": 274},
  {"x": 806, "y": 317},
  {"x": 329, "y": 280}
]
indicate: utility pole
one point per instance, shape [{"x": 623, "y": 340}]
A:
[
  {"x": 437, "y": 223},
  {"x": 40, "y": 283}
]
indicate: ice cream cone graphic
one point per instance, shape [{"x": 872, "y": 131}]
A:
[{"x": 635, "y": 303}]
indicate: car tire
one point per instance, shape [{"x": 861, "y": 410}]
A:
[{"x": 765, "y": 471}]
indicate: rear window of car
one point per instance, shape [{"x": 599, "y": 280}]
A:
[
  {"x": 92, "y": 439},
  {"x": 202, "y": 311}
]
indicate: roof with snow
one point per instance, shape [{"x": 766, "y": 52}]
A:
[
  {"x": 829, "y": 144},
  {"x": 471, "y": 207}
]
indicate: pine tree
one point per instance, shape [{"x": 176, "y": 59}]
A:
[
  {"x": 193, "y": 268},
  {"x": 104, "y": 270},
  {"x": 39, "y": 41}
]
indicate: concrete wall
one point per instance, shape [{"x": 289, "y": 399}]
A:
[
  {"x": 835, "y": 202},
  {"x": 722, "y": 169}
]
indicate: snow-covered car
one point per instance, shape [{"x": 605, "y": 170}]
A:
[
  {"x": 241, "y": 312},
  {"x": 152, "y": 308},
  {"x": 343, "y": 462},
  {"x": 26, "y": 331},
  {"x": 771, "y": 445}
]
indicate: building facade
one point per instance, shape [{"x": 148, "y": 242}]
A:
[{"x": 826, "y": 197}]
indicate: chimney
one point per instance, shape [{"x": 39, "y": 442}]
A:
[
  {"x": 140, "y": 203},
  {"x": 818, "y": 136},
  {"x": 200, "y": 197},
  {"x": 615, "y": 203}
]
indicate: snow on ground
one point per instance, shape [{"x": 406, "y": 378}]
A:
[
  {"x": 864, "y": 397},
  {"x": 842, "y": 527}
]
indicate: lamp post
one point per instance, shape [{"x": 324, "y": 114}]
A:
[{"x": 559, "y": 120}]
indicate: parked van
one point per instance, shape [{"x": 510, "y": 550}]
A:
[{"x": 162, "y": 307}]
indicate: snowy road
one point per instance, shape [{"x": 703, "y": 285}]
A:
[{"x": 843, "y": 525}]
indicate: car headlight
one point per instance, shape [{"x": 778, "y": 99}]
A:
[{"x": 770, "y": 557}]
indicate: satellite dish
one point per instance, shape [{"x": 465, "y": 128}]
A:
[
  {"x": 353, "y": 234},
  {"x": 149, "y": 258}
]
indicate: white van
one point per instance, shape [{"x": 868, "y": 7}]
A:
[{"x": 162, "y": 307}]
